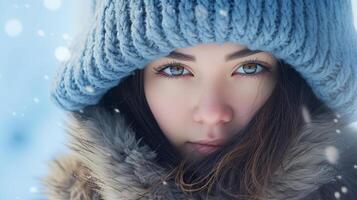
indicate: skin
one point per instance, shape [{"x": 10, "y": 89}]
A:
[{"x": 210, "y": 99}]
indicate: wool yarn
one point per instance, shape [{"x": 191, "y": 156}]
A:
[{"x": 316, "y": 37}]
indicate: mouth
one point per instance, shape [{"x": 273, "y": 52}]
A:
[{"x": 204, "y": 149}]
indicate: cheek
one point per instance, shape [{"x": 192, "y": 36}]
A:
[
  {"x": 168, "y": 105},
  {"x": 250, "y": 95},
  {"x": 165, "y": 100}
]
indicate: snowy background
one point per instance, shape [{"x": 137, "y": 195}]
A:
[{"x": 34, "y": 39}]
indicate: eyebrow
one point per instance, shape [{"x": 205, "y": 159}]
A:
[{"x": 235, "y": 55}]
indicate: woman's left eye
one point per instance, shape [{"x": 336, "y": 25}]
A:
[{"x": 251, "y": 69}]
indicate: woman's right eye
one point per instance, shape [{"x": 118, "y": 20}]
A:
[{"x": 172, "y": 71}]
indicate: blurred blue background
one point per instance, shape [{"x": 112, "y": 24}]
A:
[
  {"x": 35, "y": 37},
  {"x": 34, "y": 40}
]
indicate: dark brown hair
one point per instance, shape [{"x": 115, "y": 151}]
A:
[{"x": 242, "y": 168}]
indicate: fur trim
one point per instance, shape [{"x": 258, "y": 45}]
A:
[
  {"x": 105, "y": 149},
  {"x": 68, "y": 179}
]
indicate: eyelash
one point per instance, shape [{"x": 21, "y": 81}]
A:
[{"x": 173, "y": 63}]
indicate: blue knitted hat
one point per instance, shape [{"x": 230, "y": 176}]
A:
[{"x": 316, "y": 37}]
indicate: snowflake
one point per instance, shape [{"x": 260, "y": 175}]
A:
[
  {"x": 36, "y": 100},
  {"x": 331, "y": 154},
  {"x": 13, "y": 27},
  {"x": 41, "y": 33},
  {"x": 223, "y": 13},
  {"x": 66, "y": 36},
  {"x": 33, "y": 189},
  {"x": 344, "y": 189},
  {"x": 89, "y": 89},
  {"x": 62, "y": 54},
  {"x": 52, "y": 4},
  {"x": 337, "y": 195}
]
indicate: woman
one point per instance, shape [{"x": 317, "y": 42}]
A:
[{"x": 210, "y": 100}]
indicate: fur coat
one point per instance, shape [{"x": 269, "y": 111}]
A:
[{"x": 106, "y": 162}]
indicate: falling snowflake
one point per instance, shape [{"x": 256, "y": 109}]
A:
[
  {"x": 36, "y": 100},
  {"x": 337, "y": 195},
  {"x": 344, "y": 189},
  {"x": 13, "y": 27},
  {"x": 223, "y": 13},
  {"x": 355, "y": 166},
  {"x": 331, "y": 154},
  {"x": 14, "y": 114},
  {"x": 46, "y": 77},
  {"x": 116, "y": 110},
  {"x": 89, "y": 89},
  {"x": 338, "y": 131},
  {"x": 41, "y": 33},
  {"x": 335, "y": 120},
  {"x": 26, "y": 5},
  {"x": 65, "y": 36},
  {"x": 339, "y": 177},
  {"x": 33, "y": 190},
  {"x": 62, "y": 54},
  {"x": 52, "y": 4}
]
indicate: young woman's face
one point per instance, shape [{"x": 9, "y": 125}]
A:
[{"x": 207, "y": 93}]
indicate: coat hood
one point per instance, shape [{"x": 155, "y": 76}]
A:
[{"x": 107, "y": 162}]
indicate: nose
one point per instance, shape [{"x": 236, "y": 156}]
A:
[{"x": 212, "y": 108}]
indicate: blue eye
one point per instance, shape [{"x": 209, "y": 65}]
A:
[
  {"x": 176, "y": 70},
  {"x": 250, "y": 69},
  {"x": 172, "y": 70}
]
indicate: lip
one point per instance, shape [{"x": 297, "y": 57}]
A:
[
  {"x": 210, "y": 142},
  {"x": 206, "y": 146}
]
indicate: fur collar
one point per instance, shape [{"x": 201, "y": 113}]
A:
[{"x": 107, "y": 163}]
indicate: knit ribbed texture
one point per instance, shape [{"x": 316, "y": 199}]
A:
[{"x": 316, "y": 37}]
